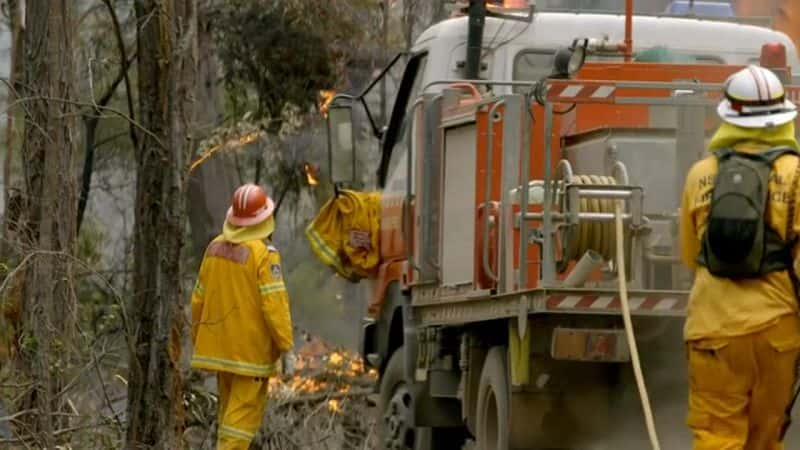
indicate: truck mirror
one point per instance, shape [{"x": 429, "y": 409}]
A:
[{"x": 341, "y": 139}]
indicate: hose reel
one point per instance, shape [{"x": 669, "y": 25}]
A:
[{"x": 589, "y": 231}]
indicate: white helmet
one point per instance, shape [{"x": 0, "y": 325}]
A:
[{"x": 755, "y": 98}]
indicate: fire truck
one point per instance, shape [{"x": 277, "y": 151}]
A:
[{"x": 531, "y": 168}]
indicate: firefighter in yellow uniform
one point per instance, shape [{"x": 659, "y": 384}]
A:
[
  {"x": 241, "y": 324},
  {"x": 742, "y": 333}
]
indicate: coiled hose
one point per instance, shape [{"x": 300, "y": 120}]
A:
[{"x": 591, "y": 235}]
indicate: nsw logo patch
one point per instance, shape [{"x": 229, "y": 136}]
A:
[{"x": 276, "y": 271}]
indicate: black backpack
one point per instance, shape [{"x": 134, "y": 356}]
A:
[{"x": 738, "y": 243}]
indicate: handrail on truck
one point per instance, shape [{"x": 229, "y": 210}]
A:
[
  {"x": 487, "y": 267},
  {"x": 407, "y": 219},
  {"x": 554, "y": 95},
  {"x": 557, "y": 92}
]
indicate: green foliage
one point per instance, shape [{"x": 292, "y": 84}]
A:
[
  {"x": 28, "y": 344},
  {"x": 90, "y": 244},
  {"x": 280, "y": 52},
  {"x": 99, "y": 312}
]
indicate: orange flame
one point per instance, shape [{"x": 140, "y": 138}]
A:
[
  {"x": 311, "y": 174},
  {"x": 327, "y": 375},
  {"x": 334, "y": 405},
  {"x": 230, "y": 144},
  {"x": 325, "y": 99},
  {"x": 335, "y": 359}
]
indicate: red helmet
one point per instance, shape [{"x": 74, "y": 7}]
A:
[{"x": 250, "y": 206}]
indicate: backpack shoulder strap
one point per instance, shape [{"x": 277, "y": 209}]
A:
[
  {"x": 774, "y": 153},
  {"x": 790, "y": 235},
  {"x": 724, "y": 153}
]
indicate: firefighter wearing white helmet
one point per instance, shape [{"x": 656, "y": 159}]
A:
[
  {"x": 755, "y": 98},
  {"x": 241, "y": 324},
  {"x": 737, "y": 228}
]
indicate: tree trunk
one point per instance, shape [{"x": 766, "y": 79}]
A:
[
  {"x": 166, "y": 37},
  {"x": 15, "y": 8},
  {"x": 15, "y": 18},
  {"x": 438, "y": 12},
  {"x": 410, "y": 11},
  {"x": 211, "y": 184},
  {"x": 49, "y": 172}
]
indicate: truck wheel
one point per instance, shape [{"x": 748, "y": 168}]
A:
[
  {"x": 493, "y": 402},
  {"x": 394, "y": 408}
]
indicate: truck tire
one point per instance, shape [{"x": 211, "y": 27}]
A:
[
  {"x": 493, "y": 402},
  {"x": 394, "y": 410}
]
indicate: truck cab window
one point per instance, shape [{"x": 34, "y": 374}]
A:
[
  {"x": 395, "y": 142},
  {"x": 532, "y": 65}
]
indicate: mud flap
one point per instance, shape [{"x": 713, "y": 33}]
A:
[
  {"x": 433, "y": 412},
  {"x": 519, "y": 350}
]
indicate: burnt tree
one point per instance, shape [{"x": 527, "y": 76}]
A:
[
  {"x": 211, "y": 184},
  {"x": 48, "y": 236},
  {"x": 166, "y": 37},
  {"x": 15, "y": 8}
]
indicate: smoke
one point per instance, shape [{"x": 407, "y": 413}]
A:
[
  {"x": 663, "y": 364},
  {"x": 666, "y": 380},
  {"x": 666, "y": 376}
]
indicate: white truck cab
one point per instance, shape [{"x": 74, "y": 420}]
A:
[
  {"x": 521, "y": 51},
  {"x": 524, "y": 51}
]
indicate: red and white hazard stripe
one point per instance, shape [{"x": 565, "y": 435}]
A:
[
  {"x": 595, "y": 303},
  {"x": 580, "y": 91}
]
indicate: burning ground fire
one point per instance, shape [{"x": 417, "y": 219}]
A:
[
  {"x": 328, "y": 403},
  {"x": 324, "y": 374}
]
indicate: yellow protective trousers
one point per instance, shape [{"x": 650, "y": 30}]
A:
[
  {"x": 740, "y": 387},
  {"x": 241, "y": 408}
]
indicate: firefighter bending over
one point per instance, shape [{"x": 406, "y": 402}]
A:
[
  {"x": 241, "y": 325},
  {"x": 738, "y": 231}
]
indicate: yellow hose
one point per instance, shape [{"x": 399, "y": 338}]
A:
[
  {"x": 587, "y": 235},
  {"x": 626, "y": 315}
]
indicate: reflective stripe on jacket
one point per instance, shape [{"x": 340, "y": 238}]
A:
[{"x": 240, "y": 309}]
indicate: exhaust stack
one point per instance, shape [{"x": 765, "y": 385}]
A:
[{"x": 477, "y": 21}]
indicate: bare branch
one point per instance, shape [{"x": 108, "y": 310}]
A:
[
  {"x": 18, "y": 414},
  {"x": 56, "y": 433},
  {"x": 327, "y": 396},
  {"x": 125, "y": 64},
  {"x": 91, "y": 124},
  {"x": 109, "y": 109}
]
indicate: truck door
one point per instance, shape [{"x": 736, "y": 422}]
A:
[{"x": 393, "y": 173}]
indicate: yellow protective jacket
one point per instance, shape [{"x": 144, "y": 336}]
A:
[
  {"x": 720, "y": 307},
  {"x": 345, "y": 234},
  {"x": 240, "y": 308}
]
